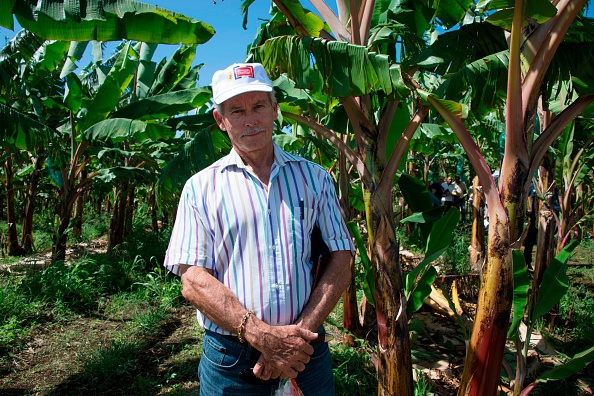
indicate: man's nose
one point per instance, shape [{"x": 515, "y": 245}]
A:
[{"x": 250, "y": 118}]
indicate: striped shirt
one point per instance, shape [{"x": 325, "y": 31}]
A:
[{"x": 255, "y": 240}]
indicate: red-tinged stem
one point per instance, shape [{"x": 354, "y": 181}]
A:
[
  {"x": 555, "y": 128},
  {"x": 485, "y": 350},
  {"x": 387, "y": 179},
  {"x": 515, "y": 138},
  {"x": 341, "y": 33},
  {"x": 366, "y": 20},
  {"x": 528, "y": 389},
  {"x": 548, "y": 38},
  {"x": 355, "y": 27},
  {"x": 332, "y": 138},
  {"x": 474, "y": 155}
]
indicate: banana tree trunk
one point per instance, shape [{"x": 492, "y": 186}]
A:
[
  {"x": 485, "y": 351},
  {"x": 131, "y": 196},
  {"x": 30, "y": 204},
  {"x": 121, "y": 221},
  {"x": 477, "y": 241},
  {"x": 153, "y": 209},
  {"x": 117, "y": 223},
  {"x": 350, "y": 312},
  {"x": 394, "y": 358},
  {"x": 546, "y": 248},
  {"x": 14, "y": 249},
  {"x": 78, "y": 220},
  {"x": 64, "y": 209}
]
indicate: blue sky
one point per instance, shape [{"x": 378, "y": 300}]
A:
[{"x": 228, "y": 45}]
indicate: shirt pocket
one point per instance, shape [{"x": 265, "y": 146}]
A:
[{"x": 299, "y": 232}]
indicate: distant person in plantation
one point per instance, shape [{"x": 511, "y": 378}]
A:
[
  {"x": 242, "y": 244},
  {"x": 459, "y": 190},
  {"x": 446, "y": 197}
]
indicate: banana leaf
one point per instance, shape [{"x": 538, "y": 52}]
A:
[
  {"x": 555, "y": 282},
  {"x": 521, "y": 286}
]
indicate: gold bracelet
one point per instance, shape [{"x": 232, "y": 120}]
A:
[{"x": 240, "y": 327}]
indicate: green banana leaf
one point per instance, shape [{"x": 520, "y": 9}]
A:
[
  {"x": 421, "y": 291},
  {"x": 103, "y": 20},
  {"x": 539, "y": 10},
  {"x": 21, "y": 131},
  {"x": 572, "y": 366},
  {"x": 111, "y": 90},
  {"x": 416, "y": 195},
  {"x": 73, "y": 93},
  {"x": 75, "y": 53},
  {"x": 174, "y": 70},
  {"x": 119, "y": 173},
  {"x": 555, "y": 282},
  {"x": 438, "y": 241},
  {"x": 165, "y": 105},
  {"x": 205, "y": 148},
  {"x": 115, "y": 130},
  {"x": 521, "y": 286},
  {"x": 369, "y": 283},
  {"x": 583, "y": 86},
  {"x": 346, "y": 69}
]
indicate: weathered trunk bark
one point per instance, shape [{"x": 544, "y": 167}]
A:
[
  {"x": 108, "y": 204},
  {"x": 477, "y": 241},
  {"x": 78, "y": 212},
  {"x": 60, "y": 240},
  {"x": 130, "y": 197},
  {"x": 30, "y": 203},
  {"x": 532, "y": 229},
  {"x": 579, "y": 212},
  {"x": 487, "y": 343},
  {"x": 14, "y": 248},
  {"x": 485, "y": 350},
  {"x": 394, "y": 359},
  {"x": 350, "y": 312},
  {"x": 546, "y": 248},
  {"x": 117, "y": 223},
  {"x": 153, "y": 209}
]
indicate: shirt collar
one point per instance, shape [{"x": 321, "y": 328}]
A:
[{"x": 281, "y": 158}]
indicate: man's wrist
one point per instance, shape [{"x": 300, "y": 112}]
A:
[{"x": 241, "y": 327}]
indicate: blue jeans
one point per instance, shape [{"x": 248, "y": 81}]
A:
[{"x": 223, "y": 359}]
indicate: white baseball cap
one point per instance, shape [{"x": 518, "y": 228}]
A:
[{"x": 237, "y": 79}]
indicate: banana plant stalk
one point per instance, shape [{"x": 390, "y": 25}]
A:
[{"x": 506, "y": 205}]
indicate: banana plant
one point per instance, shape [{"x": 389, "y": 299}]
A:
[
  {"x": 554, "y": 286},
  {"x": 27, "y": 130},
  {"x": 574, "y": 169},
  {"x": 130, "y": 136},
  {"x": 528, "y": 61},
  {"x": 98, "y": 21}
]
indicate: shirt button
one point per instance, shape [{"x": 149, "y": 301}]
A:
[
  {"x": 273, "y": 247},
  {"x": 275, "y": 286},
  {"x": 269, "y": 211}
]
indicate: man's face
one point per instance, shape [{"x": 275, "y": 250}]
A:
[
  {"x": 249, "y": 120},
  {"x": 449, "y": 179}
]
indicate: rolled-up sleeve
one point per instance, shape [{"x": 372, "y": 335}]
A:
[
  {"x": 191, "y": 239},
  {"x": 332, "y": 225}
]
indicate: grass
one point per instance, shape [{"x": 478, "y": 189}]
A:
[{"x": 117, "y": 324}]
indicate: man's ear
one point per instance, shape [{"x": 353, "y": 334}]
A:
[{"x": 219, "y": 119}]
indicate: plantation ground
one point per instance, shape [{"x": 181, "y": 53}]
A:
[{"x": 140, "y": 343}]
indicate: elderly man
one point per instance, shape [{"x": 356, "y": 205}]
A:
[{"x": 242, "y": 244}]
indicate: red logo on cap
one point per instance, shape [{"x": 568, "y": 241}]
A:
[{"x": 243, "y": 71}]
